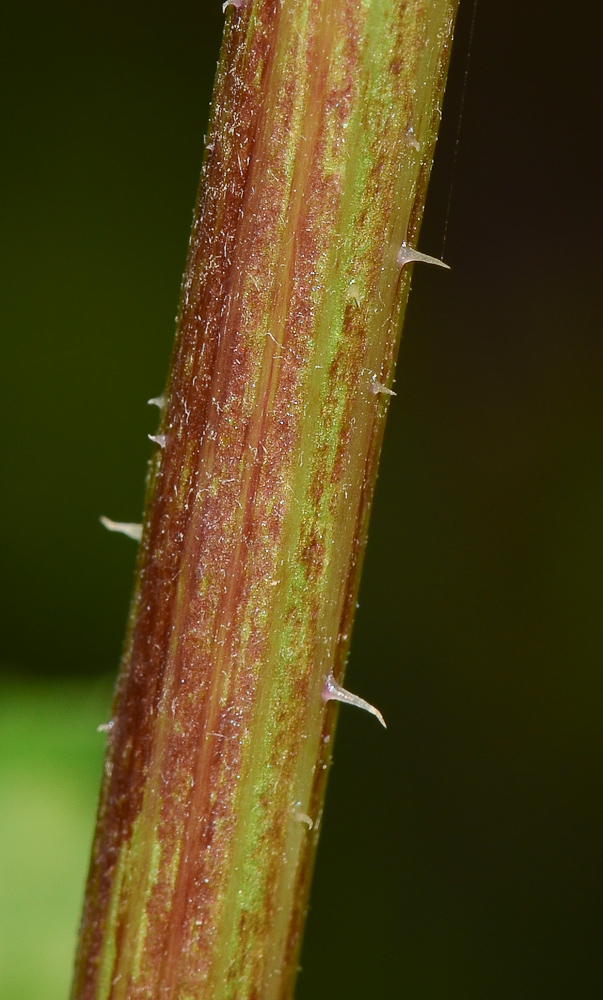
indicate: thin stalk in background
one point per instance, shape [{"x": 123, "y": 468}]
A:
[{"x": 321, "y": 140}]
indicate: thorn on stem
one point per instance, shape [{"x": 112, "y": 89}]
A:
[
  {"x": 406, "y": 255},
  {"x": 353, "y": 293},
  {"x": 158, "y": 401},
  {"x": 123, "y": 527},
  {"x": 378, "y": 388},
  {"x": 159, "y": 439},
  {"x": 303, "y": 817},
  {"x": 333, "y": 691}
]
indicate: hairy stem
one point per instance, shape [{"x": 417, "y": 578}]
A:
[{"x": 321, "y": 140}]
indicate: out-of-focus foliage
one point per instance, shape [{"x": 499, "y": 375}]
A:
[{"x": 50, "y": 762}]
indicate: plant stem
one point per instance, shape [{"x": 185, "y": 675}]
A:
[{"x": 321, "y": 141}]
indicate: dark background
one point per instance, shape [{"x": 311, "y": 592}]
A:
[{"x": 461, "y": 852}]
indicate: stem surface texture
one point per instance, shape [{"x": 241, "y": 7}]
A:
[{"x": 321, "y": 140}]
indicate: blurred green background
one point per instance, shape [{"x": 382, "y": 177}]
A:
[{"x": 461, "y": 854}]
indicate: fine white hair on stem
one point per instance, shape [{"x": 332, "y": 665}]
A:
[
  {"x": 123, "y": 527},
  {"x": 332, "y": 691}
]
